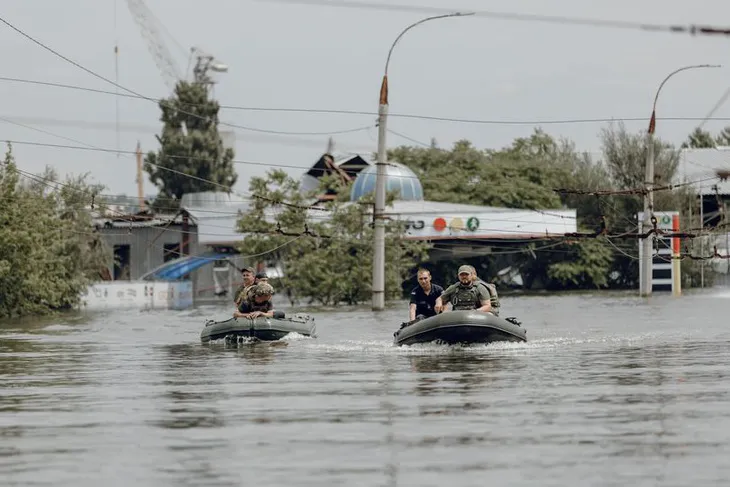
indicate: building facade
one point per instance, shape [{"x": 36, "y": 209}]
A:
[{"x": 140, "y": 243}]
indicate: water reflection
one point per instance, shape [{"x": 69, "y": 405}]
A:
[
  {"x": 391, "y": 468},
  {"x": 190, "y": 392},
  {"x": 458, "y": 372},
  {"x": 255, "y": 353},
  {"x": 187, "y": 390},
  {"x": 350, "y": 409},
  {"x": 40, "y": 376}
]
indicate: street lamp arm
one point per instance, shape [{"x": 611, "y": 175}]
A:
[
  {"x": 384, "y": 86},
  {"x": 380, "y": 176},
  {"x": 661, "y": 85}
]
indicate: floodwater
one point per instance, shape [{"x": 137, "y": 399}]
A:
[{"x": 610, "y": 390}]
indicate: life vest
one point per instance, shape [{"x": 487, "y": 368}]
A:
[
  {"x": 493, "y": 296},
  {"x": 242, "y": 294},
  {"x": 466, "y": 298}
]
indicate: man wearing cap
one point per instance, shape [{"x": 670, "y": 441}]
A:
[
  {"x": 247, "y": 274},
  {"x": 491, "y": 289},
  {"x": 465, "y": 294},
  {"x": 257, "y": 303},
  {"x": 261, "y": 277}
]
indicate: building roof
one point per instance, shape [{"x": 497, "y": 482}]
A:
[
  {"x": 349, "y": 164},
  {"x": 217, "y": 226},
  {"x": 699, "y": 166},
  {"x": 398, "y": 177},
  {"x": 438, "y": 207},
  {"x": 136, "y": 220}
]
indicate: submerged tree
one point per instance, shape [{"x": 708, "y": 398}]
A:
[
  {"x": 49, "y": 253},
  {"x": 326, "y": 255},
  {"x": 528, "y": 174},
  {"x": 191, "y": 157}
]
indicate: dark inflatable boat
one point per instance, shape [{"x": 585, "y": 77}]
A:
[
  {"x": 461, "y": 327},
  {"x": 261, "y": 328}
]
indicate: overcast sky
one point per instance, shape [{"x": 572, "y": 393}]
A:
[{"x": 326, "y": 57}]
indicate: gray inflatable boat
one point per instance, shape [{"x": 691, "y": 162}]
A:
[
  {"x": 261, "y": 328},
  {"x": 461, "y": 327}
]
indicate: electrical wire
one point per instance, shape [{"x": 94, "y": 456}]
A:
[
  {"x": 158, "y": 102},
  {"x": 273, "y": 164},
  {"x": 566, "y": 121},
  {"x": 691, "y": 29}
]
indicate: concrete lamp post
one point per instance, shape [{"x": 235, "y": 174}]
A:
[
  {"x": 378, "y": 302},
  {"x": 645, "y": 287}
]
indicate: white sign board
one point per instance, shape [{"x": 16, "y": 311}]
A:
[
  {"x": 138, "y": 295},
  {"x": 508, "y": 224}
]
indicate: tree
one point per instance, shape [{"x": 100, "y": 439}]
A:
[
  {"x": 520, "y": 176},
  {"x": 191, "y": 157},
  {"x": 523, "y": 175},
  {"x": 724, "y": 137},
  {"x": 48, "y": 251},
  {"x": 327, "y": 256},
  {"x": 700, "y": 139}
]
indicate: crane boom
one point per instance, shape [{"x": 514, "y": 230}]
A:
[{"x": 164, "y": 60}]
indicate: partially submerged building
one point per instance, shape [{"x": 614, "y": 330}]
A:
[{"x": 153, "y": 249}]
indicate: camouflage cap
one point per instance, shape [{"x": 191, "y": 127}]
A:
[
  {"x": 465, "y": 269},
  {"x": 263, "y": 289}
]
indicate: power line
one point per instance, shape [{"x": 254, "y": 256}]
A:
[
  {"x": 557, "y": 239},
  {"x": 273, "y": 164},
  {"x": 691, "y": 29},
  {"x": 565, "y": 121},
  {"x": 175, "y": 171},
  {"x": 158, "y": 102}
]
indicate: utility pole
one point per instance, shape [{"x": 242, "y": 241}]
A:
[
  {"x": 647, "y": 244},
  {"x": 378, "y": 300},
  {"x": 140, "y": 181}
]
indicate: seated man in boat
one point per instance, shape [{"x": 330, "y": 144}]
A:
[
  {"x": 465, "y": 294},
  {"x": 261, "y": 277},
  {"x": 258, "y": 303},
  {"x": 423, "y": 296},
  {"x": 491, "y": 288},
  {"x": 247, "y": 274}
]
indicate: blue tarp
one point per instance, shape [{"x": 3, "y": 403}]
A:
[{"x": 176, "y": 269}]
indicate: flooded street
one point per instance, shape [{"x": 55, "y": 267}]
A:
[{"x": 609, "y": 391}]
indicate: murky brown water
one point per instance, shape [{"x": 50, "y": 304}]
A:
[{"x": 610, "y": 390}]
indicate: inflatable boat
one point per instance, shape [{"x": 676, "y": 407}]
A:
[
  {"x": 461, "y": 327},
  {"x": 261, "y": 328}
]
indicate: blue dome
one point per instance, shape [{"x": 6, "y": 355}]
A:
[{"x": 398, "y": 178}]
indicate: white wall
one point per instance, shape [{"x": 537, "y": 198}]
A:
[{"x": 138, "y": 295}]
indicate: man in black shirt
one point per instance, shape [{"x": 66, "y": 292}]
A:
[{"x": 423, "y": 296}]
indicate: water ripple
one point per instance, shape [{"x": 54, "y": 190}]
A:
[{"x": 610, "y": 390}]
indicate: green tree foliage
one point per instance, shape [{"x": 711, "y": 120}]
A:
[
  {"x": 523, "y": 175},
  {"x": 191, "y": 157},
  {"x": 48, "y": 251},
  {"x": 700, "y": 139},
  {"x": 526, "y": 175},
  {"x": 520, "y": 176},
  {"x": 334, "y": 263}
]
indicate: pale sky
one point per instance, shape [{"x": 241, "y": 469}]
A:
[{"x": 325, "y": 57}]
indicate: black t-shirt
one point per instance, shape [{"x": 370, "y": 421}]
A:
[{"x": 425, "y": 303}]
